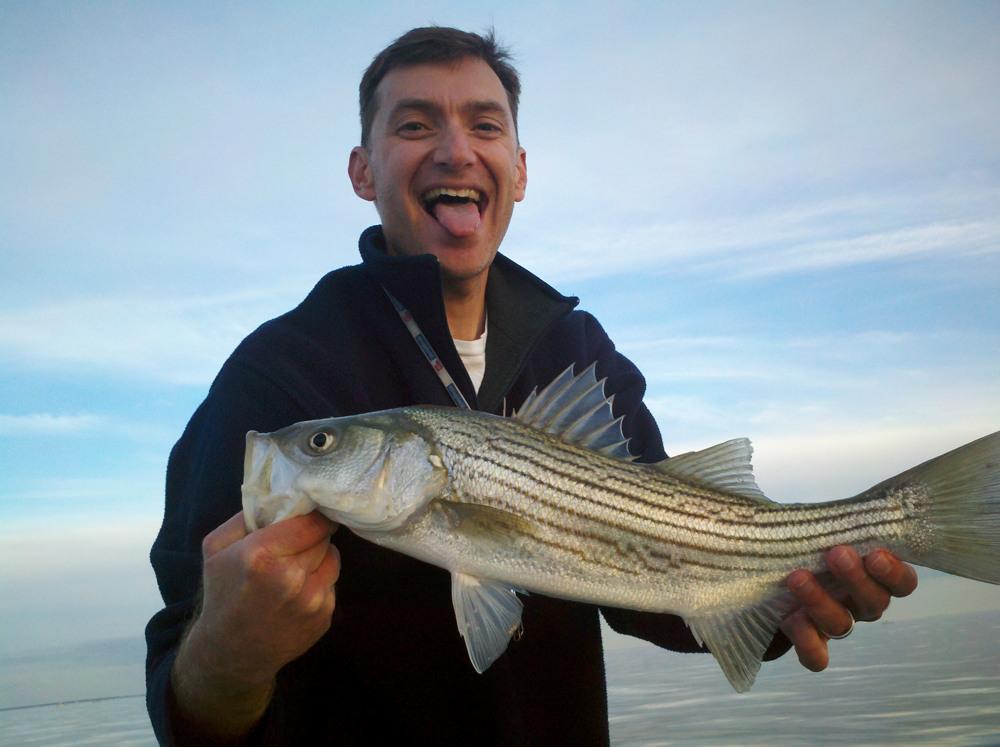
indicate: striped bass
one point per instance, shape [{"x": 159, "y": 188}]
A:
[{"x": 548, "y": 501}]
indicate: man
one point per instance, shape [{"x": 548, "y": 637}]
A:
[{"x": 270, "y": 651}]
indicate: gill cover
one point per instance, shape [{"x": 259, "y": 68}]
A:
[{"x": 368, "y": 472}]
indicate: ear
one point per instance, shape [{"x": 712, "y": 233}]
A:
[
  {"x": 521, "y": 180},
  {"x": 359, "y": 168}
]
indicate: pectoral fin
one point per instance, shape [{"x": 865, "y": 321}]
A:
[
  {"x": 487, "y": 525},
  {"x": 488, "y": 613}
]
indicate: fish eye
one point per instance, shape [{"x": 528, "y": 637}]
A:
[{"x": 321, "y": 441}]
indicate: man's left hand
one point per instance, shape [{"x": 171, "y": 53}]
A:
[{"x": 867, "y": 586}]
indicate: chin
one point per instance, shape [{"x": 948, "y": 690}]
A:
[
  {"x": 465, "y": 270},
  {"x": 462, "y": 261}
]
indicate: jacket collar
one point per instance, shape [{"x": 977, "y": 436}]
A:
[{"x": 521, "y": 309}]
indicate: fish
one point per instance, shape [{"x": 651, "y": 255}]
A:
[{"x": 550, "y": 501}]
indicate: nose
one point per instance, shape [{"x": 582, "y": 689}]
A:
[{"x": 454, "y": 149}]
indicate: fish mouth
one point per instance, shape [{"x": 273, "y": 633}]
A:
[
  {"x": 268, "y": 474},
  {"x": 453, "y": 196}
]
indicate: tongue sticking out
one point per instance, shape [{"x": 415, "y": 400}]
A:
[{"x": 459, "y": 219}]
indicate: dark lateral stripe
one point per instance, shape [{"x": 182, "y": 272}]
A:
[
  {"x": 671, "y": 562},
  {"x": 787, "y": 550},
  {"x": 823, "y": 525},
  {"x": 851, "y": 518},
  {"x": 647, "y": 481},
  {"x": 687, "y": 539}
]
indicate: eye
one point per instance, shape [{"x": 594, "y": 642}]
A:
[
  {"x": 412, "y": 128},
  {"x": 321, "y": 441}
]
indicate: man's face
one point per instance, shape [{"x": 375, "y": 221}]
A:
[{"x": 443, "y": 166}]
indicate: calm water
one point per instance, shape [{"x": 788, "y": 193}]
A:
[
  {"x": 927, "y": 682},
  {"x": 105, "y": 723},
  {"x": 934, "y": 681}
]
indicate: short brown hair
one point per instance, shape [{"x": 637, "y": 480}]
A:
[{"x": 434, "y": 45}]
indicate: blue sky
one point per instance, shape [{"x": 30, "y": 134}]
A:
[{"x": 788, "y": 214}]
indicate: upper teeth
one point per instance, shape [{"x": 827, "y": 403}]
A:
[{"x": 469, "y": 194}]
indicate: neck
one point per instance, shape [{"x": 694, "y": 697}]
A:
[{"x": 465, "y": 305}]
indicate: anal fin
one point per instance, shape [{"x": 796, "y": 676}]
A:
[
  {"x": 739, "y": 638},
  {"x": 488, "y": 614}
]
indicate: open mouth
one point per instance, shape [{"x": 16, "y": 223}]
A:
[
  {"x": 458, "y": 210},
  {"x": 446, "y": 196}
]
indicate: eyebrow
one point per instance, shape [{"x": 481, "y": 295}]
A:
[{"x": 478, "y": 106}]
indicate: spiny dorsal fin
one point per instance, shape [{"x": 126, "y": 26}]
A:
[
  {"x": 575, "y": 409},
  {"x": 725, "y": 466}
]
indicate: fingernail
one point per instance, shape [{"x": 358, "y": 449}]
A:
[
  {"x": 880, "y": 564},
  {"x": 843, "y": 562},
  {"x": 803, "y": 586}
]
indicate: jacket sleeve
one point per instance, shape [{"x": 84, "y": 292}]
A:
[{"x": 204, "y": 474}]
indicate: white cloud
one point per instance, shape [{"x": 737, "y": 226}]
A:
[
  {"x": 947, "y": 238},
  {"x": 45, "y": 423},
  {"x": 831, "y": 448},
  {"x": 807, "y": 238},
  {"x": 829, "y": 415},
  {"x": 178, "y": 341},
  {"x": 88, "y": 493},
  {"x": 843, "y": 459}
]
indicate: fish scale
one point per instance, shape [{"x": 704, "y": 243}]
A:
[
  {"x": 549, "y": 501},
  {"x": 661, "y": 509}
]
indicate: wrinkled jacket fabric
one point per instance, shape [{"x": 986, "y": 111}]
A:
[{"x": 393, "y": 668}]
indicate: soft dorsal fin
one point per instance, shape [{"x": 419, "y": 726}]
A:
[
  {"x": 575, "y": 409},
  {"x": 725, "y": 466}
]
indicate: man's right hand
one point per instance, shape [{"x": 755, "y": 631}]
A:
[{"x": 267, "y": 598}]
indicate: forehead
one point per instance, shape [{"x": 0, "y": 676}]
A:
[{"x": 447, "y": 85}]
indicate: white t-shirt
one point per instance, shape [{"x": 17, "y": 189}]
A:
[{"x": 473, "y": 354}]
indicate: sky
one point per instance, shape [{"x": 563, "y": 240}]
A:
[{"x": 787, "y": 214}]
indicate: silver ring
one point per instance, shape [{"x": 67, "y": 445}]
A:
[{"x": 843, "y": 635}]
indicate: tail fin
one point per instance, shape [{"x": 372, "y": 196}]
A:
[
  {"x": 964, "y": 512},
  {"x": 953, "y": 510}
]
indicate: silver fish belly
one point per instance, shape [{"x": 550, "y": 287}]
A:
[{"x": 548, "y": 502}]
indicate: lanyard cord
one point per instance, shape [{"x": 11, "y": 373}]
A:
[{"x": 428, "y": 351}]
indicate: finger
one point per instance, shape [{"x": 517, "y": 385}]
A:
[
  {"x": 307, "y": 561},
  {"x": 224, "y": 535},
  {"x": 317, "y": 566},
  {"x": 868, "y": 597},
  {"x": 296, "y": 535},
  {"x": 898, "y": 577},
  {"x": 830, "y": 616},
  {"x": 328, "y": 570},
  {"x": 319, "y": 609},
  {"x": 318, "y": 596},
  {"x": 810, "y": 644},
  {"x": 320, "y": 556}
]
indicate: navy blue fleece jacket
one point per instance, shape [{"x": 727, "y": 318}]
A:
[{"x": 393, "y": 668}]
